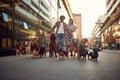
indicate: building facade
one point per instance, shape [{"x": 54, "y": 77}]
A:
[
  {"x": 106, "y": 32},
  {"x": 78, "y": 22},
  {"x": 96, "y": 33},
  {"x": 110, "y": 30},
  {"x": 28, "y": 20}
]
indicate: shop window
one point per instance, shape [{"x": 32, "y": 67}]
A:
[
  {"x": 5, "y": 17},
  {"x": 25, "y": 25}
]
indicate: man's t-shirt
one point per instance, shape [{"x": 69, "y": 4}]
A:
[{"x": 61, "y": 30}]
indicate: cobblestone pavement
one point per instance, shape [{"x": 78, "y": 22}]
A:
[{"x": 25, "y": 68}]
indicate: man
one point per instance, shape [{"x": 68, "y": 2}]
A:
[{"x": 61, "y": 28}]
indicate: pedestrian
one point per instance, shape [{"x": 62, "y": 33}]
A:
[
  {"x": 69, "y": 39},
  {"x": 61, "y": 28}
]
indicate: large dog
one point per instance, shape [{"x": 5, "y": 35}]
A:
[{"x": 52, "y": 46}]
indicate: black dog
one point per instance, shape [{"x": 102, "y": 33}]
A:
[
  {"x": 42, "y": 51},
  {"x": 94, "y": 55},
  {"x": 90, "y": 54},
  {"x": 62, "y": 53}
]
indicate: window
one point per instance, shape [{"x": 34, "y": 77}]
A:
[
  {"x": 5, "y": 17},
  {"x": 25, "y": 25}
]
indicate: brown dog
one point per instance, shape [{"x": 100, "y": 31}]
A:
[
  {"x": 52, "y": 46},
  {"x": 35, "y": 53},
  {"x": 73, "y": 48},
  {"x": 39, "y": 52}
]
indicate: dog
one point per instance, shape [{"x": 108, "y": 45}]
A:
[
  {"x": 71, "y": 49},
  {"x": 35, "y": 53},
  {"x": 74, "y": 48},
  {"x": 83, "y": 52},
  {"x": 42, "y": 52},
  {"x": 18, "y": 50},
  {"x": 39, "y": 52},
  {"x": 76, "y": 52},
  {"x": 95, "y": 55},
  {"x": 22, "y": 50},
  {"x": 52, "y": 45},
  {"x": 62, "y": 53},
  {"x": 90, "y": 54}
]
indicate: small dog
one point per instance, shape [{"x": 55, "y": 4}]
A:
[
  {"x": 52, "y": 46},
  {"x": 35, "y": 53},
  {"x": 22, "y": 50},
  {"x": 42, "y": 52},
  {"x": 71, "y": 49},
  {"x": 95, "y": 53},
  {"x": 83, "y": 54},
  {"x": 39, "y": 52},
  {"x": 90, "y": 54},
  {"x": 18, "y": 48},
  {"x": 62, "y": 53},
  {"x": 77, "y": 52}
]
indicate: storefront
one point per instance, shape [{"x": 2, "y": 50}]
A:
[
  {"x": 22, "y": 30},
  {"x": 111, "y": 36}
]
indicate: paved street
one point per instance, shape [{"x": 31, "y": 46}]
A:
[{"x": 25, "y": 68}]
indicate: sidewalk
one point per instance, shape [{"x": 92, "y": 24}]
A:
[
  {"x": 111, "y": 51},
  {"x": 25, "y": 68}
]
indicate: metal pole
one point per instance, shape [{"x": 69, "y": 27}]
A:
[{"x": 13, "y": 25}]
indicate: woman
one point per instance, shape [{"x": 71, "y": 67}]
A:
[{"x": 69, "y": 34}]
